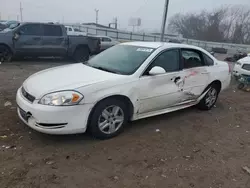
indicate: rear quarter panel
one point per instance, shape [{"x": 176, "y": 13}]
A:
[{"x": 220, "y": 71}]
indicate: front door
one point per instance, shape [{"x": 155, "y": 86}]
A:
[
  {"x": 157, "y": 92},
  {"x": 29, "y": 42},
  {"x": 195, "y": 73}
]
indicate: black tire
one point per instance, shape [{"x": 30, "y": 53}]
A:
[
  {"x": 81, "y": 54},
  {"x": 241, "y": 86},
  {"x": 93, "y": 126},
  {"x": 5, "y": 54},
  {"x": 202, "y": 104}
]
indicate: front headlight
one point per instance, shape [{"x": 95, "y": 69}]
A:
[{"x": 61, "y": 98}]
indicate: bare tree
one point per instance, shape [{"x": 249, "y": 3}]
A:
[{"x": 225, "y": 24}]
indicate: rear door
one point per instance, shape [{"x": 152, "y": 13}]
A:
[
  {"x": 195, "y": 72},
  {"x": 53, "y": 41},
  {"x": 29, "y": 42}
]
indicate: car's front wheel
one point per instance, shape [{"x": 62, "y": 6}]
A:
[
  {"x": 210, "y": 98},
  {"x": 5, "y": 54},
  {"x": 108, "y": 119}
]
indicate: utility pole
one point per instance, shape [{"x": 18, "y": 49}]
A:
[
  {"x": 21, "y": 11},
  {"x": 96, "y": 15},
  {"x": 164, "y": 19}
]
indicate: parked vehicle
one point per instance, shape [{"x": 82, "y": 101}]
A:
[
  {"x": 127, "y": 82},
  {"x": 107, "y": 42},
  {"x": 242, "y": 67},
  {"x": 2, "y": 26},
  {"x": 45, "y": 40},
  {"x": 74, "y": 31},
  {"x": 244, "y": 82},
  {"x": 236, "y": 57}
]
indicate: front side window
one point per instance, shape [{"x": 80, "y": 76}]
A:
[
  {"x": 52, "y": 30},
  {"x": 168, "y": 60},
  {"x": 30, "y": 29},
  {"x": 191, "y": 58},
  {"x": 121, "y": 59}
]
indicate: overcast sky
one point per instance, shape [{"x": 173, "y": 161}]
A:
[{"x": 150, "y": 11}]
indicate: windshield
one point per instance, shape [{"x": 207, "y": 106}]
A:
[{"x": 121, "y": 59}]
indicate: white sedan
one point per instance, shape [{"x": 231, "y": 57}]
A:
[
  {"x": 127, "y": 82},
  {"x": 242, "y": 66}
]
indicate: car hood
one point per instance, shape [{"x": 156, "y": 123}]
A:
[
  {"x": 66, "y": 77},
  {"x": 245, "y": 60}
]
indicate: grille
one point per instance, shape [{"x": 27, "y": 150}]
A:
[
  {"x": 28, "y": 96},
  {"x": 246, "y": 67}
]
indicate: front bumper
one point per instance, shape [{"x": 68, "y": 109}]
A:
[{"x": 53, "y": 119}]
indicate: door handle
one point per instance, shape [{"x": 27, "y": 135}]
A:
[
  {"x": 175, "y": 79},
  {"x": 36, "y": 38},
  {"x": 205, "y": 73}
]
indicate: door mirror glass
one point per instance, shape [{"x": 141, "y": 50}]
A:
[{"x": 157, "y": 70}]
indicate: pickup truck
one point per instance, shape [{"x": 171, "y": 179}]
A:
[{"x": 45, "y": 40}]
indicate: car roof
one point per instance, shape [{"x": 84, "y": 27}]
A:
[{"x": 160, "y": 44}]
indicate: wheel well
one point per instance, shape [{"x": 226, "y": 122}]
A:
[
  {"x": 217, "y": 83},
  {"x": 82, "y": 46},
  {"x": 6, "y": 46},
  {"x": 122, "y": 98}
]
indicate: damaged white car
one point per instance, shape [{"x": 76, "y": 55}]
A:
[{"x": 127, "y": 82}]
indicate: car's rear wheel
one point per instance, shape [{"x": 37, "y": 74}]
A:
[
  {"x": 108, "y": 119},
  {"x": 210, "y": 98},
  {"x": 5, "y": 54},
  {"x": 81, "y": 54}
]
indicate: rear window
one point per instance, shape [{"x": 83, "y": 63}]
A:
[{"x": 52, "y": 30}]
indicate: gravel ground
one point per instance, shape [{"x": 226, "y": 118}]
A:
[{"x": 192, "y": 148}]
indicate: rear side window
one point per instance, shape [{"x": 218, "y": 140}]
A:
[
  {"x": 52, "y": 30},
  {"x": 31, "y": 29},
  {"x": 191, "y": 58},
  {"x": 208, "y": 60}
]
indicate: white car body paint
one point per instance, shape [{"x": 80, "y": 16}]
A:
[
  {"x": 239, "y": 66},
  {"x": 149, "y": 95}
]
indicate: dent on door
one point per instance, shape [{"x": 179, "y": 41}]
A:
[{"x": 193, "y": 84}]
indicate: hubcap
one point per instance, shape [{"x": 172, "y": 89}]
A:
[
  {"x": 211, "y": 97},
  {"x": 111, "y": 119}
]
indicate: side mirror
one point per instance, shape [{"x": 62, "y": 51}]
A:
[
  {"x": 16, "y": 36},
  {"x": 156, "y": 71}
]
